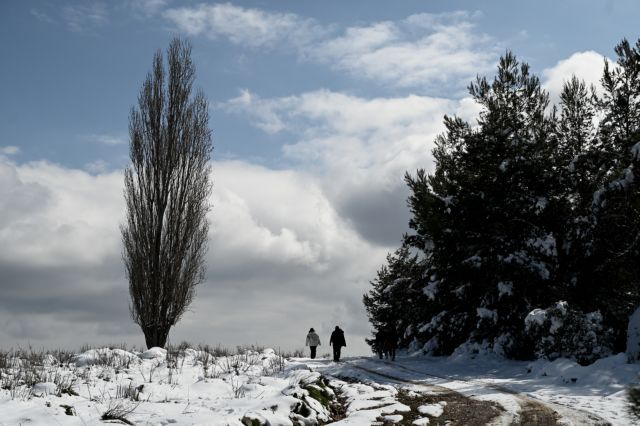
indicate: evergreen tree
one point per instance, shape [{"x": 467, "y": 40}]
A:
[
  {"x": 486, "y": 209},
  {"x": 396, "y": 297},
  {"x": 577, "y": 160},
  {"x": 616, "y": 203},
  {"x": 531, "y": 208}
]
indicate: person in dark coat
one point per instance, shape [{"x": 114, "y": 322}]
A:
[
  {"x": 337, "y": 341},
  {"x": 391, "y": 343},
  {"x": 380, "y": 342}
]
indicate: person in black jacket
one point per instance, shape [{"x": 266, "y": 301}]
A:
[
  {"x": 391, "y": 343},
  {"x": 381, "y": 337},
  {"x": 337, "y": 341}
]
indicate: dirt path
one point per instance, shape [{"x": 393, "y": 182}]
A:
[
  {"x": 459, "y": 409},
  {"x": 532, "y": 411}
]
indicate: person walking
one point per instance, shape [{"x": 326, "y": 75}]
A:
[
  {"x": 391, "y": 343},
  {"x": 313, "y": 341},
  {"x": 337, "y": 341},
  {"x": 379, "y": 342}
]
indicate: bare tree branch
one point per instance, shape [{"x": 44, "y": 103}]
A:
[{"x": 167, "y": 188}]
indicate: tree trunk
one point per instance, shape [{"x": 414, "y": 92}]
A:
[{"x": 156, "y": 337}]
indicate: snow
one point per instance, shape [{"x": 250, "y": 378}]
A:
[
  {"x": 633, "y": 336},
  {"x": 433, "y": 410},
  {"x": 474, "y": 261},
  {"x": 505, "y": 288},
  {"x": 431, "y": 289},
  {"x": 112, "y": 357},
  {"x": 545, "y": 245},
  {"x": 635, "y": 151},
  {"x": 621, "y": 184},
  {"x": 485, "y": 313},
  {"x": 537, "y": 316},
  {"x": 188, "y": 389},
  {"x": 541, "y": 204},
  {"x": 43, "y": 389},
  {"x": 154, "y": 353}
]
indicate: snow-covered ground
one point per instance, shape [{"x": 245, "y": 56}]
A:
[{"x": 194, "y": 386}]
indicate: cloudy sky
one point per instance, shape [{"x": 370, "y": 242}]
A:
[{"x": 317, "y": 110}]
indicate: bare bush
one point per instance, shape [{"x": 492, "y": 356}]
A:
[
  {"x": 119, "y": 410},
  {"x": 129, "y": 391}
]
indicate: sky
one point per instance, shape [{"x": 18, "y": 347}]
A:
[{"x": 317, "y": 110}]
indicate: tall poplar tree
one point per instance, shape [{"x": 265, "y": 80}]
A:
[{"x": 167, "y": 189}]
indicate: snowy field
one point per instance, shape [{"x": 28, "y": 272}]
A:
[{"x": 255, "y": 387}]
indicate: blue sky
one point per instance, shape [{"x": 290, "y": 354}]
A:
[
  {"x": 75, "y": 68},
  {"x": 317, "y": 110}
]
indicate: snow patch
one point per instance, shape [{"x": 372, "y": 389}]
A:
[
  {"x": 635, "y": 151},
  {"x": 505, "y": 288},
  {"x": 43, "y": 389},
  {"x": 489, "y": 314},
  {"x": 154, "y": 353},
  {"x": 431, "y": 289},
  {"x": 633, "y": 334},
  {"x": 105, "y": 356},
  {"x": 433, "y": 410}
]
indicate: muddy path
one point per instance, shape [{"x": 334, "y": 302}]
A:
[
  {"x": 462, "y": 409},
  {"x": 531, "y": 411}
]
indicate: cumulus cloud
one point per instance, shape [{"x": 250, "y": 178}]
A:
[
  {"x": 278, "y": 250},
  {"x": 422, "y": 50},
  {"x": 40, "y": 219},
  {"x": 587, "y": 66},
  {"x": 365, "y": 144}
]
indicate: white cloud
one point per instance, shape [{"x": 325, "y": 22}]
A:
[
  {"x": 148, "y": 7},
  {"x": 247, "y": 27},
  {"x": 278, "y": 250},
  {"x": 40, "y": 220},
  {"x": 266, "y": 114},
  {"x": 107, "y": 139},
  {"x": 420, "y": 51},
  {"x": 97, "y": 167},
  {"x": 85, "y": 17},
  {"x": 9, "y": 150},
  {"x": 340, "y": 131},
  {"x": 587, "y": 66},
  {"x": 41, "y": 16},
  {"x": 366, "y": 145}
]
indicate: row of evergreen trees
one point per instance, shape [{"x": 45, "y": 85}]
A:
[{"x": 532, "y": 206}]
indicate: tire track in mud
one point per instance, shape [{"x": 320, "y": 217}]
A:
[
  {"x": 532, "y": 411},
  {"x": 459, "y": 409}
]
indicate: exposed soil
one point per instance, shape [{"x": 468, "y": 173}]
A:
[
  {"x": 459, "y": 410},
  {"x": 462, "y": 410}
]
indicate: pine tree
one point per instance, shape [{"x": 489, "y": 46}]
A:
[
  {"x": 531, "y": 208},
  {"x": 616, "y": 203},
  {"x": 577, "y": 160},
  {"x": 486, "y": 208},
  {"x": 396, "y": 297}
]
